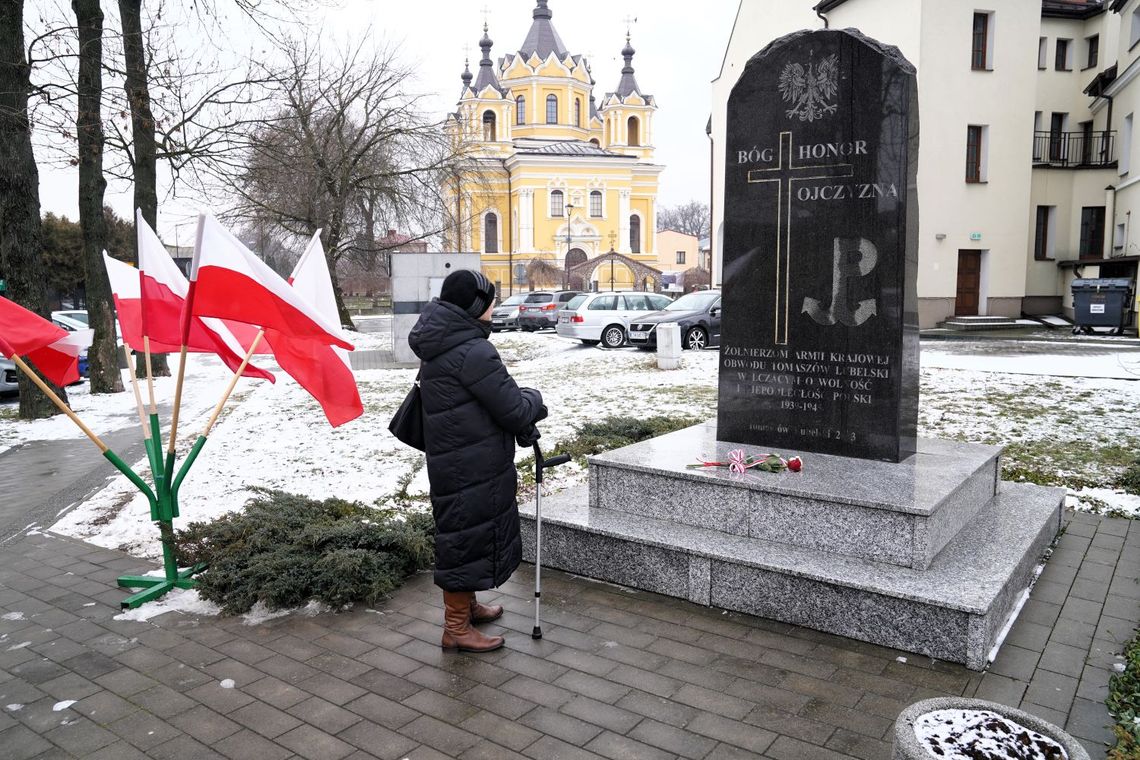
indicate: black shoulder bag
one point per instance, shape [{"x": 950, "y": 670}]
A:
[{"x": 408, "y": 422}]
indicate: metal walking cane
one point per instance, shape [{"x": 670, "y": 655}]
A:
[{"x": 540, "y": 464}]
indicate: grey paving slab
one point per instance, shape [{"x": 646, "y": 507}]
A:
[{"x": 632, "y": 674}]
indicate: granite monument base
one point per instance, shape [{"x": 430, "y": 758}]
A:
[{"x": 928, "y": 555}]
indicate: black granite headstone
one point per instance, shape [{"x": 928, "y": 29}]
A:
[{"x": 819, "y": 346}]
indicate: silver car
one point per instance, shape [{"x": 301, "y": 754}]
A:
[
  {"x": 604, "y": 317},
  {"x": 8, "y": 383},
  {"x": 506, "y": 315}
]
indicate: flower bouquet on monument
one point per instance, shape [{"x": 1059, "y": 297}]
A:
[{"x": 740, "y": 462}]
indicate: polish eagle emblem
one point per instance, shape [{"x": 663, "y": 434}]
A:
[{"x": 810, "y": 89}]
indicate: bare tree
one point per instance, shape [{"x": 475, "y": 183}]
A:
[
  {"x": 20, "y": 258},
  {"x": 347, "y": 150},
  {"x": 102, "y": 361},
  {"x": 542, "y": 273},
  {"x": 691, "y": 218}
]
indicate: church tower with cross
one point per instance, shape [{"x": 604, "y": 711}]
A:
[{"x": 555, "y": 175}]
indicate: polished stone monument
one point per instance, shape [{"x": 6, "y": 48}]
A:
[
  {"x": 910, "y": 543},
  {"x": 819, "y": 349}
]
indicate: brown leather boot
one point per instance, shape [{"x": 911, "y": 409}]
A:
[
  {"x": 457, "y": 630},
  {"x": 484, "y": 613}
]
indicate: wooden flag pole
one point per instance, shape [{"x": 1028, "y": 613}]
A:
[
  {"x": 233, "y": 383},
  {"x": 177, "y": 400},
  {"x": 138, "y": 394},
  {"x": 149, "y": 375},
  {"x": 35, "y": 378}
]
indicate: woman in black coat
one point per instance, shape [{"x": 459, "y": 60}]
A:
[{"x": 473, "y": 413}]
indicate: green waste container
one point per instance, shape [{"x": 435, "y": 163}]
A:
[{"x": 1102, "y": 302}]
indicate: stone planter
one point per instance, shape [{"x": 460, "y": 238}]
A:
[{"x": 908, "y": 747}]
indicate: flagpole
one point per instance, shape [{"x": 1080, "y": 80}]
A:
[
  {"x": 47, "y": 391},
  {"x": 138, "y": 394},
  {"x": 149, "y": 375},
  {"x": 233, "y": 383},
  {"x": 187, "y": 315}
]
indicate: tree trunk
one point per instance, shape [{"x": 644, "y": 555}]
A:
[
  {"x": 332, "y": 240},
  {"x": 102, "y": 360},
  {"x": 145, "y": 162},
  {"x": 20, "y": 245}
]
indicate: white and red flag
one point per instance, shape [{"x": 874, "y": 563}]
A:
[
  {"x": 149, "y": 302},
  {"x": 229, "y": 281},
  {"x": 53, "y": 350},
  {"x": 319, "y": 368}
]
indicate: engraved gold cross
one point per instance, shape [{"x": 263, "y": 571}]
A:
[{"x": 784, "y": 175}]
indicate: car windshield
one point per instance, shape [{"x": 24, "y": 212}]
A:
[
  {"x": 513, "y": 300},
  {"x": 693, "y": 302},
  {"x": 575, "y": 302},
  {"x": 78, "y": 316}
]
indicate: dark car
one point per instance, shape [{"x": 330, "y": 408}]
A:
[{"x": 698, "y": 314}]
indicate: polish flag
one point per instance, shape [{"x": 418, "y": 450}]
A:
[
  {"x": 321, "y": 369},
  {"x": 229, "y": 281},
  {"x": 53, "y": 350},
  {"x": 149, "y": 300}
]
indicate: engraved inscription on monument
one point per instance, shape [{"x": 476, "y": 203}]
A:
[{"x": 820, "y": 341}]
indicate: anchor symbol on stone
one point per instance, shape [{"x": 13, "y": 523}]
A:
[{"x": 854, "y": 257}]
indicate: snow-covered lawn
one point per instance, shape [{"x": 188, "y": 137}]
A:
[{"x": 1074, "y": 431}]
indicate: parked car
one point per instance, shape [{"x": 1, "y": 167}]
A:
[
  {"x": 541, "y": 309},
  {"x": 698, "y": 315},
  {"x": 8, "y": 384},
  {"x": 604, "y": 317},
  {"x": 505, "y": 316},
  {"x": 77, "y": 318}
]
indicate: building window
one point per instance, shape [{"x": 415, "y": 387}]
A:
[
  {"x": 980, "y": 54},
  {"x": 557, "y": 205},
  {"x": 491, "y": 233},
  {"x": 1038, "y": 143},
  {"x": 1086, "y": 142},
  {"x": 1126, "y": 145},
  {"x": 680, "y": 257},
  {"x": 577, "y": 112},
  {"x": 635, "y": 234},
  {"x": 595, "y": 143},
  {"x": 595, "y": 203},
  {"x": 1134, "y": 35},
  {"x": 976, "y": 153},
  {"x": 1062, "y": 62},
  {"x": 1043, "y": 240},
  {"x": 1058, "y": 145},
  {"x": 1042, "y": 53},
  {"x": 551, "y": 109},
  {"x": 1092, "y": 232},
  {"x": 1120, "y": 235},
  {"x": 633, "y": 131},
  {"x": 1092, "y": 45},
  {"x": 489, "y": 126},
  {"x": 520, "y": 110}
]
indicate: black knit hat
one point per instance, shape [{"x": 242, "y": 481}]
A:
[{"x": 469, "y": 290}]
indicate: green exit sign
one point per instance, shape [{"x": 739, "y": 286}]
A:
[{"x": 975, "y": 236}]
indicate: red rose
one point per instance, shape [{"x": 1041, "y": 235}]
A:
[{"x": 795, "y": 464}]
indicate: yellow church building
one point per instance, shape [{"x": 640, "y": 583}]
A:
[{"x": 552, "y": 175}]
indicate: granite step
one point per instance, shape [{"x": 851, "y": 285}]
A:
[
  {"x": 980, "y": 323},
  {"x": 951, "y": 611},
  {"x": 901, "y": 513}
]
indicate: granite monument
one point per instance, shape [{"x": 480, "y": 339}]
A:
[{"x": 819, "y": 349}]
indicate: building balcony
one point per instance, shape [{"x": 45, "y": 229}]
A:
[{"x": 1074, "y": 150}]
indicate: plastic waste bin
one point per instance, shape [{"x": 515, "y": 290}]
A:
[{"x": 1101, "y": 302}]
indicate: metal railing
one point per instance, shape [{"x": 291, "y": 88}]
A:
[{"x": 1074, "y": 149}]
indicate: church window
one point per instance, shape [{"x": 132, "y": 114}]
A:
[
  {"x": 635, "y": 234},
  {"x": 578, "y": 112},
  {"x": 634, "y": 131},
  {"x": 491, "y": 233},
  {"x": 520, "y": 110},
  {"x": 595, "y": 203},
  {"x": 551, "y": 109},
  {"x": 489, "y": 126},
  {"x": 557, "y": 206},
  {"x": 594, "y": 141}
]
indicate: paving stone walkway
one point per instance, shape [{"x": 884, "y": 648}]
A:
[{"x": 619, "y": 674}]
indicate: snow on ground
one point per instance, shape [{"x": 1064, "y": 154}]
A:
[
  {"x": 185, "y": 601},
  {"x": 1078, "y": 432}
]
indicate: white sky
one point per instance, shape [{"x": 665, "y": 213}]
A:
[{"x": 679, "y": 46}]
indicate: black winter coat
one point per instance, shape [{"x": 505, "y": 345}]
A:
[{"x": 473, "y": 410}]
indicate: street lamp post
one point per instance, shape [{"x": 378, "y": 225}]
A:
[{"x": 565, "y": 258}]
